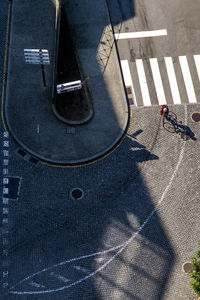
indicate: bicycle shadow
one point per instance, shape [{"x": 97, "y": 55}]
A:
[{"x": 171, "y": 124}]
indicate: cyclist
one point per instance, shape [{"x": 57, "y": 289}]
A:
[{"x": 164, "y": 110}]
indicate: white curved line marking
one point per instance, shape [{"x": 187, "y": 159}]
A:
[
  {"x": 81, "y": 269},
  {"x": 59, "y": 277},
  {"x": 120, "y": 247}
]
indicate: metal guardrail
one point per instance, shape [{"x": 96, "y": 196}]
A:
[
  {"x": 69, "y": 86},
  {"x": 56, "y": 45}
]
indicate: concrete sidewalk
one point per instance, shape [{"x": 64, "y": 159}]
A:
[{"x": 28, "y": 104}]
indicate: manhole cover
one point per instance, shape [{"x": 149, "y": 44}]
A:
[
  {"x": 186, "y": 267},
  {"x": 196, "y": 117},
  {"x": 77, "y": 193}
]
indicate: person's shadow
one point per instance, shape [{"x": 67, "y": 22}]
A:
[{"x": 171, "y": 124}]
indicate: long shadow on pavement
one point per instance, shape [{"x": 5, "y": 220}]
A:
[
  {"x": 70, "y": 246},
  {"x": 62, "y": 247}
]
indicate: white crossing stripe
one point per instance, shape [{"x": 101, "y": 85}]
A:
[
  {"x": 148, "y": 90},
  {"x": 172, "y": 80},
  {"x": 143, "y": 82},
  {"x": 127, "y": 77},
  {"x": 197, "y": 62},
  {"x": 187, "y": 79},
  {"x": 158, "y": 81},
  {"x": 140, "y": 34}
]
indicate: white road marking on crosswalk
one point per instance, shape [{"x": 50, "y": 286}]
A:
[
  {"x": 158, "y": 78},
  {"x": 140, "y": 34},
  {"x": 127, "y": 77},
  {"x": 197, "y": 63},
  {"x": 172, "y": 80},
  {"x": 157, "y": 81},
  {"x": 187, "y": 79},
  {"x": 143, "y": 82}
]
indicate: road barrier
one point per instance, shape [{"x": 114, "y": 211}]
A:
[{"x": 56, "y": 45}]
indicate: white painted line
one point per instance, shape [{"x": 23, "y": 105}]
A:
[
  {"x": 197, "y": 62},
  {"x": 36, "y": 285},
  {"x": 5, "y": 171},
  {"x": 120, "y": 247},
  {"x": 158, "y": 81},
  {"x": 5, "y": 200},
  {"x": 84, "y": 270},
  {"x": 6, "y": 134},
  {"x": 5, "y": 273},
  {"x": 5, "y": 210},
  {"x": 99, "y": 259},
  {"x": 5, "y": 153},
  {"x": 38, "y": 128},
  {"x": 5, "y": 191},
  {"x": 59, "y": 277},
  {"x": 140, "y": 34},
  {"x": 5, "y": 143},
  {"x": 5, "y": 221},
  {"x": 5, "y": 162},
  {"x": 5, "y": 180},
  {"x": 127, "y": 78},
  {"x": 172, "y": 80},
  {"x": 187, "y": 79},
  {"x": 143, "y": 82}
]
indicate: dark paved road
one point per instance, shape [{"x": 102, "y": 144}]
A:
[
  {"x": 130, "y": 222},
  {"x": 125, "y": 239},
  {"x": 3, "y": 24}
]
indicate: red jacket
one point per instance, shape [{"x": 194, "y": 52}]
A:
[{"x": 161, "y": 109}]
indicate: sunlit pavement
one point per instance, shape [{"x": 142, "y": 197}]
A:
[{"x": 128, "y": 237}]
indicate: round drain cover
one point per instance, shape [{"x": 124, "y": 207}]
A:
[
  {"x": 196, "y": 117},
  {"x": 77, "y": 193},
  {"x": 186, "y": 267}
]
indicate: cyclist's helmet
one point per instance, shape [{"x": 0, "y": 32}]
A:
[{"x": 165, "y": 110}]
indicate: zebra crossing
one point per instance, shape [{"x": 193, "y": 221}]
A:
[{"x": 166, "y": 80}]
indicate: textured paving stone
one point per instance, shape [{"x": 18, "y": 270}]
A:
[
  {"x": 127, "y": 238},
  {"x": 47, "y": 227}
]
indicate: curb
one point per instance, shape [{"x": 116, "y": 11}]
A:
[{"x": 81, "y": 162}]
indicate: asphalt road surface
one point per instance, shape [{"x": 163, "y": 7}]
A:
[
  {"x": 138, "y": 219},
  {"x": 162, "y": 60}
]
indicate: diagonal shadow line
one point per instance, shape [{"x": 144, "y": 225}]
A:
[
  {"x": 114, "y": 215},
  {"x": 127, "y": 293},
  {"x": 140, "y": 270}
]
